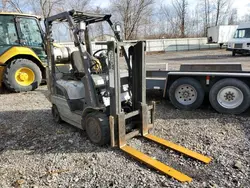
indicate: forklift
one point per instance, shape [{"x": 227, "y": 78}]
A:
[{"x": 95, "y": 95}]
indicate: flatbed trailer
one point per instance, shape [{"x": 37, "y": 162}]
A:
[{"x": 227, "y": 86}]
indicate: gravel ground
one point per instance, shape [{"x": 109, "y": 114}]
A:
[{"x": 36, "y": 152}]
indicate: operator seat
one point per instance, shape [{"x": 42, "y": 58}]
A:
[
  {"x": 74, "y": 90},
  {"x": 78, "y": 65}
]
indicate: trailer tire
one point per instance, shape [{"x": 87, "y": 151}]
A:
[
  {"x": 186, "y": 94},
  {"x": 97, "y": 128},
  {"x": 230, "y": 96}
]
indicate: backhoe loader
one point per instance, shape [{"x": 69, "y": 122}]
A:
[
  {"x": 107, "y": 102},
  {"x": 22, "y": 52}
]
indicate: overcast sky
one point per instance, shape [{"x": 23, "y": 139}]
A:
[{"x": 243, "y": 6}]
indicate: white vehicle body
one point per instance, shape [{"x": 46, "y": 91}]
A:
[
  {"x": 240, "y": 43},
  {"x": 221, "y": 34}
]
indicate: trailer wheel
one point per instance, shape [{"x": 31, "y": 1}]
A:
[
  {"x": 97, "y": 128},
  {"x": 233, "y": 53},
  {"x": 186, "y": 94},
  {"x": 230, "y": 96}
]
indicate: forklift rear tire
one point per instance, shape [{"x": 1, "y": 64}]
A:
[
  {"x": 230, "y": 96},
  {"x": 97, "y": 128},
  {"x": 186, "y": 94},
  {"x": 56, "y": 115},
  {"x": 22, "y": 75}
]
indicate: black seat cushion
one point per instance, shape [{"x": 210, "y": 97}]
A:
[
  {"x": 78, "y": 65},
  {"x": 77, "y": 62}
]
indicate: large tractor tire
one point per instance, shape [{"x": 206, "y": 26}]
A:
[
  {"x": 230, "y": 96},
  {"x": 97, "y": 128},
  {"x": 22, "y": 75}
]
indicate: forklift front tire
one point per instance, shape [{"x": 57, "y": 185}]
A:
[
  {"x": 97, "y": 128},
  {"x": 56, "y": 114}
]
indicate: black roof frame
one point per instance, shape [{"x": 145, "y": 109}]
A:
[{"x": 79, "y": 16}]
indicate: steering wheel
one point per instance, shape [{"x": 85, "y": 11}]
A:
[{"x": 98, "y": 51}]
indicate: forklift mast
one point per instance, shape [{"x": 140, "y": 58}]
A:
[{"x": 138, "y": 88}]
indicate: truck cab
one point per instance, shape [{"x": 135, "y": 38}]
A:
[{"x": 240, "y": 43}]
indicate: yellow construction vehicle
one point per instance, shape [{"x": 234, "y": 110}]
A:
[{"x": 22, "y": 52}]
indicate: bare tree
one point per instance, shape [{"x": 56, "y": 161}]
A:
[
  {"x": 195, "y": 23},
  {"x": 98, "y": 29},
  {"x": 214, "y": 12},
  {"x": 77, "y": 4},
  {"x": 46, "y": 7},
  {"x": 246, "y": 18},
  {"x": 12, "y": 5},
  {"x": 147, "y": 24},
  {"x": 176, "y": 15},
  {"x": 100, "y": 26},
  {"x": 130, "y": 13},
  {"x": 221, "y": 6},
  {"x": 180, "y": 7},
  {"x": 207, "y": 11},
  {"x": 233, "y": 17},
  {"x": 168, "y": 19}
]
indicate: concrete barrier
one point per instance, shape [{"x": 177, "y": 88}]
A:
[{"x": 164, "y": 45}]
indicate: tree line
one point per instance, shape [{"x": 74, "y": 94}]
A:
[{"x": 147, "y": 19}]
